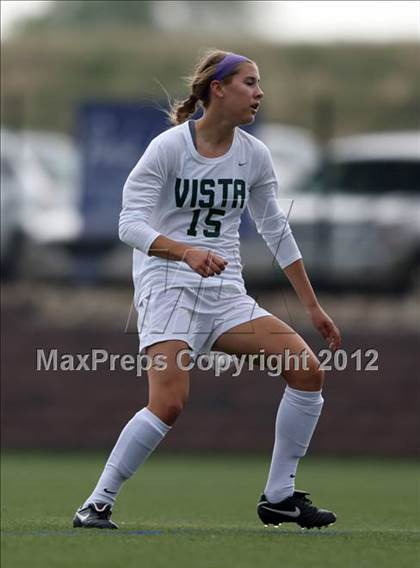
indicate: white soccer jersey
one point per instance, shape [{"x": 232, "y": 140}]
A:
[{"x": 176, "y": 192}]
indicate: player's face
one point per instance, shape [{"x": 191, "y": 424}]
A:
[{"x": 243, "y": 95}]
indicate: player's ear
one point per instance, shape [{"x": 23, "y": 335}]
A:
[{"x": 217, "y": 89}]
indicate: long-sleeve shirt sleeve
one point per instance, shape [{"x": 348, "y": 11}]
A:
[
  {"x": 270, "y": 219},
  {"x": 140, "y": 195}
]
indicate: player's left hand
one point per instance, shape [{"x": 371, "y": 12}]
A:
[{"x": 326, "y": 327}]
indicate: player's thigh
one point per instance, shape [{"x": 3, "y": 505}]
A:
[
  {"x": 169, "y": 381},
  {"x": 273, "y": 336}
]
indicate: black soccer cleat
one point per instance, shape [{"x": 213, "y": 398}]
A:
[
  {"x": 94, "y": 516},
  {"x": 294, "y": 509}
]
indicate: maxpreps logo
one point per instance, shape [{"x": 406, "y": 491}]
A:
[{"x": 53, "y": 360}]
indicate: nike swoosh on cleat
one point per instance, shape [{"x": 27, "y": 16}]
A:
[
  {"x": 292, "y": 514},
  {"x": 82, "y": 517},
  {"x": 100, "y": 509}
]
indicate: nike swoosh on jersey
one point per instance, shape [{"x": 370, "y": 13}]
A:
[
  {"x": 242, "y": 163},
  {"x": 292, "y": 514}
]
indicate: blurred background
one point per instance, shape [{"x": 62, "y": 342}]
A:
[{"x": 84, "y": 85}]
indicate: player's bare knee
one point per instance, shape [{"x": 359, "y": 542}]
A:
[
  {"x": 316, "y": 377},
  {"x": 172, "y": 412},
  {"x": 171, "y": 409},
  {"x": 312, "y": 378}
]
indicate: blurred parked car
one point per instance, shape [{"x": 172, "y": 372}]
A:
[
  {"x": 294, "y": 151},
  {"x": 41, "y": 193},
  {"x": 357, "y": 218},
  {"x": 50, "y": 172},
  {"x": 11, "y": 208}
]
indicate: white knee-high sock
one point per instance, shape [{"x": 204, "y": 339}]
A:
[
  {"x": 296, "y": 420},
  {"x": 136, "y": 442}
]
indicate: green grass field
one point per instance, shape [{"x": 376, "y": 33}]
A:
[{"x": 183, "y": 511}]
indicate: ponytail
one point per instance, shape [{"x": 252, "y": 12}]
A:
[{"x": 181, "y": 110}]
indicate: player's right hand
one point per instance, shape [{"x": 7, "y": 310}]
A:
[{"x": 205, "y": 262}]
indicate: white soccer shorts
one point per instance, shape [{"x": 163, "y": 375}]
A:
[{"x": 197, "y": 316}]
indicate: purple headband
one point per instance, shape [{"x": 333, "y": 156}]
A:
[{"x": 227, "y": 64}]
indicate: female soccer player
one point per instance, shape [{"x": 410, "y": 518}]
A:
[{"x": 181, "y": 212}]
